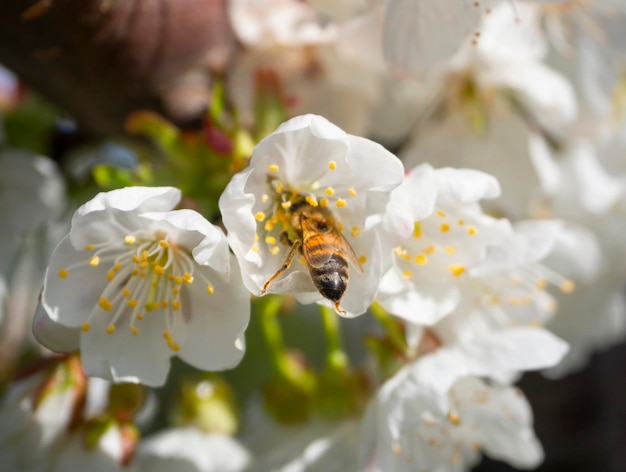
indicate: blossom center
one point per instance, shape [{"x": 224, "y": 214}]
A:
[{"x": 145, "y": 275}]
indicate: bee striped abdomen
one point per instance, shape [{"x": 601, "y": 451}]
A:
[{"x": 328, "y": 266}]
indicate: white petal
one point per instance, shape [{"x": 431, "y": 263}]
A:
[
  {"x": 32, "y": 190},
  {"x": 495, "y": 355},
  {"x": 124, "y": 357},
  {"x": 420, "y": 34},
  {"x": 465, "y": 185},
  {"x": 54, "y": 336},
  {"x": 138, "y": 199},
  {"x": 215, "y": 322},
  {"x": 189, "y": 450},
  {"x": 70, "y": 300}
]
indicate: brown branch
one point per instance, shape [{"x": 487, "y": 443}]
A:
[{"x": 101, "y": 59}]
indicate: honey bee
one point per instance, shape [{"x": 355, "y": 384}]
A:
[{"x": 314, "y": 232}]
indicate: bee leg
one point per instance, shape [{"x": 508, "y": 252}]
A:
[
  {"x": 338, "y": 309},
  {"x": 292, "y": 252}
]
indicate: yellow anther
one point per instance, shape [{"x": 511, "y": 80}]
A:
[
  {"x": 63, "y": 273},
  {"x": 139, "y": 316},
  {"x": 275, "y": 250},
  {"x": 164, "y": 304},
  {"x": 159, "y": 269},
  {"x": 136, "y": 259},
  {"x": 450, "y": 249},
  {"x": 134, "y": 330},
  {"x": 174, "y": 347},
  {"x": 421, "y": 259},
  {"x": 332, "y": 165},
  {"x": 132, "y": 303},
  {"x": 144, "y": 256},
  {"x": 441, "y": 213},
  {"x": 279, "y": 187},
  {"x": 417, "y": 230},
  {"x": 90, "y": 247},
  {"x": 355, "y": 231},
  {"x": 541, "y": 283},
  {"x": 126, "y": 292},
  {"x": 286, "y": 204},
  {"x": 117, "y": 267},
  {"x": 111, "y": 328},
  {"x": 130, "y": 239},
  {"x": 105, "y": 304},
  {"x": 454, "y": 418},
  {"x": 164, "y": 244},
  {"x": 210, "y": 289},
  {"x": 352, "y": 192},
  {"x": 170, "y": 277},
  {"x": 456, "y": 269},
  {"x": 273, "y": 167},
  {"x": 324, "y": 202},
  {"x": 461, "y": 222},
  {"x": 85, "y": 327},
  {"x": 144, "y": 265},
  {"x": 256, "y": 237},
  {"x": 407, "y": 274},
  {"x": 167, "y": 335},
  {"x": 329, "y": 191},
  {"x": 254, "y": 248},
  {"x": 567, "y": 286},
  {"x": 430, "y": 249},
  {"x": 178, "y": 279},
  {"x": 396, "y": 449},
  {"x": 445, "y": 227},
  {"x": 311, "y": 200},
  {"x": 363, "y": 259},
  {"x": 155, "y": 305},
  {"x": 94, "y": 261},
  {"x": 175, "y": 290},
  {"x": 259, "y": 215},
  {"x": 340, "y": 202},
  {"x": 270, "y": 240},
  {"x": 175, "y": 305},
  {"x": 471, "y": 230},
  {"x": 265, "y": 197},
  {"x": 187, "y": 278},
  {"x": 339, "y": 225},
  {"x": 135, "y": 272},
  {"x": 269, "y": 225}
]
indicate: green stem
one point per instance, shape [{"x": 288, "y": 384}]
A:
[
  {"x": 270, "y": 306},
  {"x": 391, "y": 327},
  {"x": 335, "y": 356}
]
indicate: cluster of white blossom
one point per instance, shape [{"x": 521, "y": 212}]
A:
[{"x": 494, "y": 237}]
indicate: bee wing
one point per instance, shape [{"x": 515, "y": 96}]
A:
[
  {"x": 323, "y": 246},
  {"x": 349, "y": 252}
]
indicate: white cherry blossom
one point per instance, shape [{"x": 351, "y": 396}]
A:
[
  {"x": 309, "y": 162},
  {"x": 435, "y": 413},
  {"x": 492, "y": 105},
  {"x": 35, "y": 415},
  {"x": 588, "y": 194},
  {"x": 144, "y": 282},
  {"x": 310, "y": 60},
  {"x": 420, "y": 35},
  {"x": 448, "y": 235}
]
